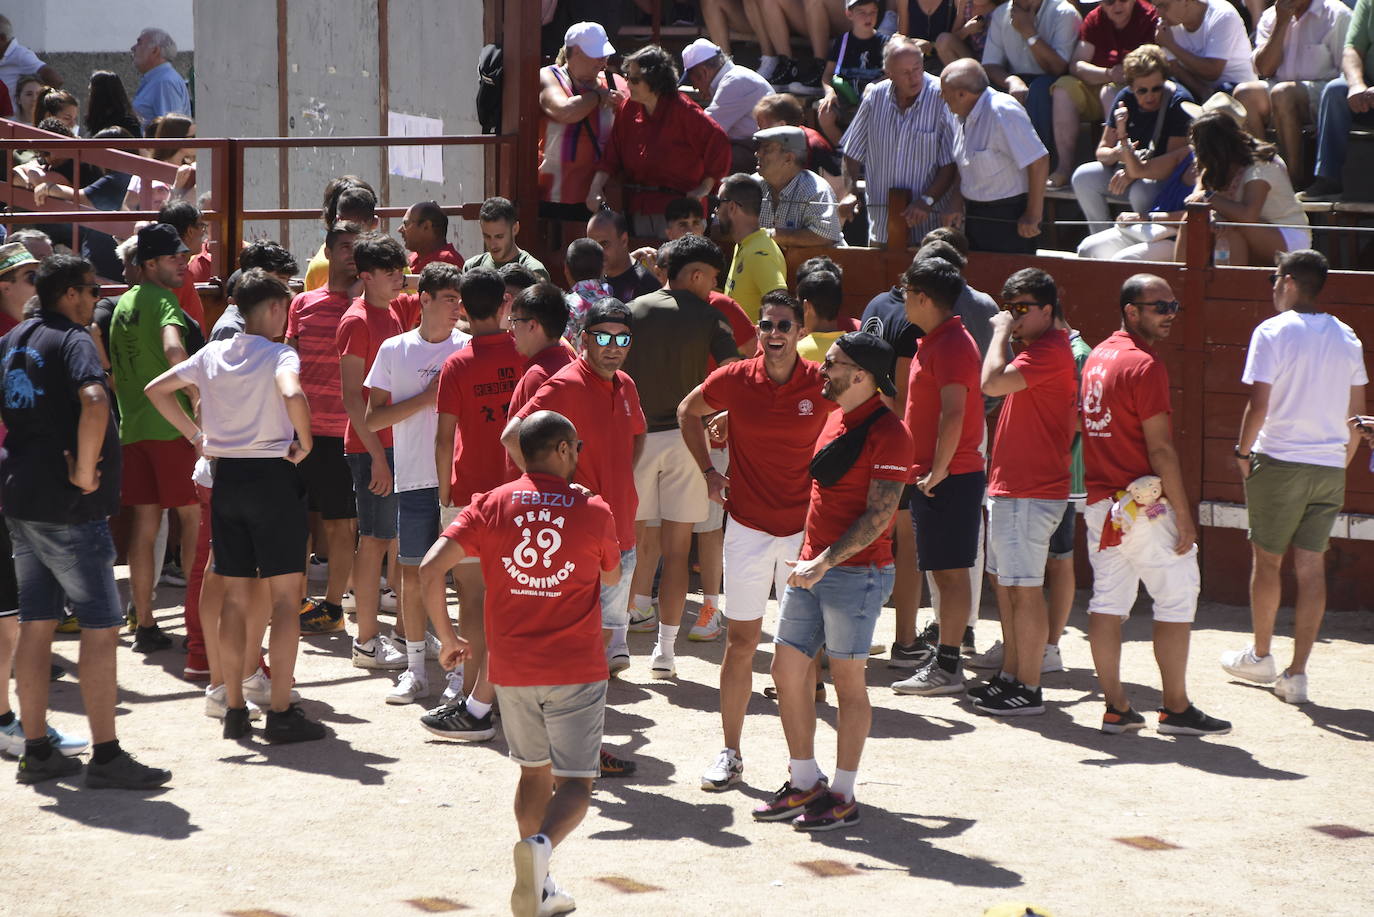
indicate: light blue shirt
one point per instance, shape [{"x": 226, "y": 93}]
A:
[
  {"x": 993, "y": 146},
  {"x": 161, "y": 91}
]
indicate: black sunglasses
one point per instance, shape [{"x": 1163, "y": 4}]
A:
[
  {"x": 1276, "y": 277},
  {"x": 1021, "y": 308},
  {"x": 1148, "y": 90},
  {"x": 767, "y": 325},
  {"x": 605, "y": 338},
  {"x": 1161, "y": 306}
]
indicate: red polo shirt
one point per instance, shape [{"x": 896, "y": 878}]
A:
[
  {"x": 1124, "y": 384},
  {"x": 945, "y": 356},
  {"x": 361, "y": 332},
  {"x": 608, "y": 417},
  {"x": 833, "y": 510},
  {"x": 538, "y": 369},
  {"x": 740, "y": 326},
  {"x": 416, "y": 264},
  {"x": 475, "y": 386},
  {"x": 672, "y": 149},
  {"x": 314, "y": 324},
  {"x": 772, "y": 443},
  {"x": 1030, "y": 453},
  {"x": 542, "y": 546}
]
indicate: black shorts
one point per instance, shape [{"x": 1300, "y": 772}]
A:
[
  {"x": 258, "y": 522},
  {"x": 905, "y": 501},
  {"x": 9, "y": 583},
  {"x": 948, "y": 524},
  {"x": 328, "y": 480},
  {"x": 1061, "y": 542}
]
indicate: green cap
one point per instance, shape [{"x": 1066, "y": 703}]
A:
[{"x": 14, "y": 255}]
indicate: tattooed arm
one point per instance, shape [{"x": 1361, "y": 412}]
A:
[{"x": 883, "y": 497}]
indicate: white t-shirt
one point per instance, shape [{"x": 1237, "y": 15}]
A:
[
  {"x": 1220, "y": 37},
  {"x": 405, "y": 366},
  {"x": 1311, "y": 360},
  {"x": 17, "y": 61},
  {"x": 242, "y": 411}
]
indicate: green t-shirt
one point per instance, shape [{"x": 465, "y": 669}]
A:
[
  {"x": 136, "y": 358},
  {"x": 1360, "y": 35},
  {"x": 522, "y": 258},
  {"x": 1081, "y": 349}
]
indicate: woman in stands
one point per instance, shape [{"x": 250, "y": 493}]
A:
[
  {"x": 107, "y": 105},
  {"x": 184, "y": 158},
  {"x": 59, "y": 104},
  {"x": 26, "y": 94}
]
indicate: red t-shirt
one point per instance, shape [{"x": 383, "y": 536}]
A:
[
  {"x": 189, "y": 300},
  {"x": 945, "y": 356},
  {"x": 1030, "y": 453},
  {"x": 543, "y": 546},
  {"x": 406, "y": 308},
  {"x": 538, "y": 369},
  {"x": 7, "y": 322},
  {"x": 448, "y": 253},
  {"x": 771, "y": 441},
  {"x": 669, "y": 151},
  {"x": 1110, "y": 46},
  {"x": 1124, "y": 384},
  {"x": 475, "y": 386},
  {"x": 361, "y": 332},
  {"x": 314, "y": 324},
  {"x": 834, "y": 509},
  {"x": 201, "y": 267},
  {"x": 608, "y": 417}
]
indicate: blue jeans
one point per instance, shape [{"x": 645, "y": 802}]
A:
[
  {"x": 1041, "y": 109},
  {"x": 1090, "y": 181},
  {"x": 1334, "y": 119},
  {"x": 1019, "y": 533},
  {"x": 840, "y": 612},
  {"x": 376, "y": 515},
  {"x": 417, "y": 520},
  {"x": 57, "y": 564},
  {"x": 615, "y": 600}
]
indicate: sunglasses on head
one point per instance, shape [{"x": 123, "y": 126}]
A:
[
  {"x": 1161, "y": 306},
  {"x": 606, "y": 338},
  {"x": 1021, "y": 308},
  {"x": 783, "y": 326}
]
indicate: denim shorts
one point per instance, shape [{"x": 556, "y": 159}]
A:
[
  {"x": 58, "y": 564},
  {"x": 417, "y": 519},
  {"x": 615, "y": 600},
  {"x": 1019, "y": 530},
  {"x": 376, "y": 515},
  {"x": 840, "y": 612}
]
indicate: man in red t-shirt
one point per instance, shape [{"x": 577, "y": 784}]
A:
[
  {"x": 776, "y": 397},
  {"x": 944, "y": 413},
  {"x": 424, "y": 230},
  {"x": 546, "y": 551},
  {"x": 538, "y": 318},
  {"x": 1028, "y": 477},
  {"x": 1126, "y": 437},
  {"x": 475, "y": 386},
  {"x": 837, "y": 589}
]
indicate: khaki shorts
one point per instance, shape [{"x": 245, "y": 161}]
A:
[
  {"x": 1292, "y": 503},
  {"x": 669, "y": 483},
  {"x": 560, "y": 725},
  {"x": 715, "y": 515},
  {"x": 1087, "y": 99},
  {"x": 1314, "y": 94}
]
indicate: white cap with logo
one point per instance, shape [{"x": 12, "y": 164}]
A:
[
  {"x": 590, "y": 38},
  {"x": 698, "y": 52}
]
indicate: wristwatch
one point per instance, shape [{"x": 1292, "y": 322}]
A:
[
  {"x": 1031, "y": 42},
  {"x": 927, "y": 200},
  {"x": 1245, "y": 456}
]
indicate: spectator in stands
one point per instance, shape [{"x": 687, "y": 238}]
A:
[
  {"x": 662, "y": 146},
  {"x": 499, "y": 229},
  {"x": 105, "y": 193},
  {"x": 1132, "y": 237},
  {"x": 815, "y": 19},
  {"x": 25, "y": 97},
  {"x": 723, "y": 17},
  {"x": 1144, "y": 139},
  {"x": 1298, "y": 50},
  {"x": 781, "y": 109},
  {"x": 854, "y": 62},
  {"x": 167, "y": 127},
  {"x": 1097, "y": 73},
  {"x": 902, "y": 134},
  {"x": 758, "y": 265},
  {"x": 798, "y": 205},
  {"x": 1346, "y": 100},
  {"x": 627, "y": 279},
  {"x": 347, "y": 199},
  {"x": 424, "y": 232},
  {"x": 36, "y": 241},
  {"x": 1029, "y": 46},
  {"x": 579, "y": 109},
  {"x": 107, "y": 105},
  {"x": 730, "y": 91},
  {"x": 970, "y": 38},
  {"x": 924, "y": 21},
  {"x": 1208, "y": 44},
  {"x": 1244, "y": 180},
  {"x": 161, "y": 91},
  {"x": 58, "y": 104},
  {"x": 1002, "y": 163},
  {"x": 17, "y": 61}
]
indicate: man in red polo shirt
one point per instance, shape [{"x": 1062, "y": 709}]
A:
[
  {"x": 538, "y": 317},
  {"x": 475, "y": 386},
  {"x": 546, "y": 550},
  {"x": 424, "y": 230},
  {"x": 944, "y": 412},
  {"x": 776, "y": 398}
]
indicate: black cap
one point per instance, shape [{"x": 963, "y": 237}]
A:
[
  {"x": 159, "y": 239},
  {"x": 606, "y": 310},
  {"x": 873, "y": 355}
]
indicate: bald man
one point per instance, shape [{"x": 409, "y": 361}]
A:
[{"x": 628, "y": 280}]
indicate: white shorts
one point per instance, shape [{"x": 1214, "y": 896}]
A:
[
  {"x": 1295, "y": 239},
  {"x": 720, "y": 460},
  {"x": 668, "y": 481},
  {"x": 754, "y": 561},
  {"x": 1146, "y": 554}
]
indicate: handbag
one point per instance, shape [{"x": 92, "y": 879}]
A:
[{"x": 834, "y": 460}]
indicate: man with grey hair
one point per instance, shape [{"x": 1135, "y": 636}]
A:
[
  {"x": 729, "y": 92},
  {"x": 17, "y": 60},
  {"x": 161, "y": 91},
  {"x": 35, "y": 240},
  {"x": 902, "y": 134},
  {"x": 798, "y": 205}
]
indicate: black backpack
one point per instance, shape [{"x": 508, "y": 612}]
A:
[{"x": 489, "y": 84}]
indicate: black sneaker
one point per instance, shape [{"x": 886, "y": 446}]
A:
[
  {"x": 150, "y": 639},
  {"x": 55, "y": 766},
  {"x": 808, "y": 80},
  {"x": 124, "y": 773},
  {"x": 236, "y": 724},
  {"x": 988, "y": 691},
  {"x": 968, "y": 648},
  {"x": 56, "y": 672},
  {"x": 1191, "y": 722},
  {"x": 784, "y": 74},
  {"x": 1115, "y": 722},
  {"x": 321, "y": 617},
  {"x": 291, "y": 725},
  {"x": 611, "y": 766},
  {"x": 452, "y": 721},
  {"x": 1015, "y": 699},
  {"x": 909, "y": 656}
]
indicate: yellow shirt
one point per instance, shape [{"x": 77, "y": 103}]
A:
[
  {"x": 757, "y": 268},
  {"x": 813, "y": 347},
  {"x": 317, "y": 272}
]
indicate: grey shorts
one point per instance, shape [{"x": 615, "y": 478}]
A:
[{"x": 560, "y": 725}]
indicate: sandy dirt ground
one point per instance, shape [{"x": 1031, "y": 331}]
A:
[{"x": 960, "y": 812}]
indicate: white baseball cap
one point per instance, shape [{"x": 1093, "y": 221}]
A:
[
  {"x": 590, "y": 38},
  {"x": 698, "y": 52}
]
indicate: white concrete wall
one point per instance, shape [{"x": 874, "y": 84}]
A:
[{"x": 100, "y": 25}]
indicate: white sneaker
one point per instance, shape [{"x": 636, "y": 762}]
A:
[
  {"x": 386, "y": 600},
  {"x": 348, "y": 601},
  {"x": 257, "y": 689},
  {"x": 556, "y": 900},
  {"x": 1245, "y": 664},
  {"x": 617, "y": 659},
  {"x": 378, "y": 653},
  {"x": 410, "y": 687},
  {"x": 1053, "y": 661},
  {"x": 992, "y": 659},
  {"x": 1292, "y": 688},
  {"x": 12, "y": 740},
  {"x": 215, "y": 705},
  {"x": 531, "y": 856},
  {"x": 708, "y": 626},
  {"x": 930, "y": 679},
  {"x": 663, "y": 665},
  {"x": 724, "y": 772},
  {"x": 453, "y": 689},
  {"x": 431, "y": 646},
  {"x": 645, "y": 621}
]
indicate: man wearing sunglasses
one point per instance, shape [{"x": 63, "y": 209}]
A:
[
  {"x": 777, "y": 398},
  {"x": 1127, "y": 435}
]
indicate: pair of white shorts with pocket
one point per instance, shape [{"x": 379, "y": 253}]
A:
[{"x": 1145, "y": 555}]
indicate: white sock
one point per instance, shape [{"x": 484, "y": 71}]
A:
[
  {"x": 618, "y": 637},
  {"x": 368, "y": 647},
  {"x": 415, "y": 657},
  {"x": 667, "y": 636},
  {"x": 803, "y": 772},
  {"x": 479, "y": 710},
  {"x": 643, "y": 602},
  {"x": 843, "y": 784}
]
